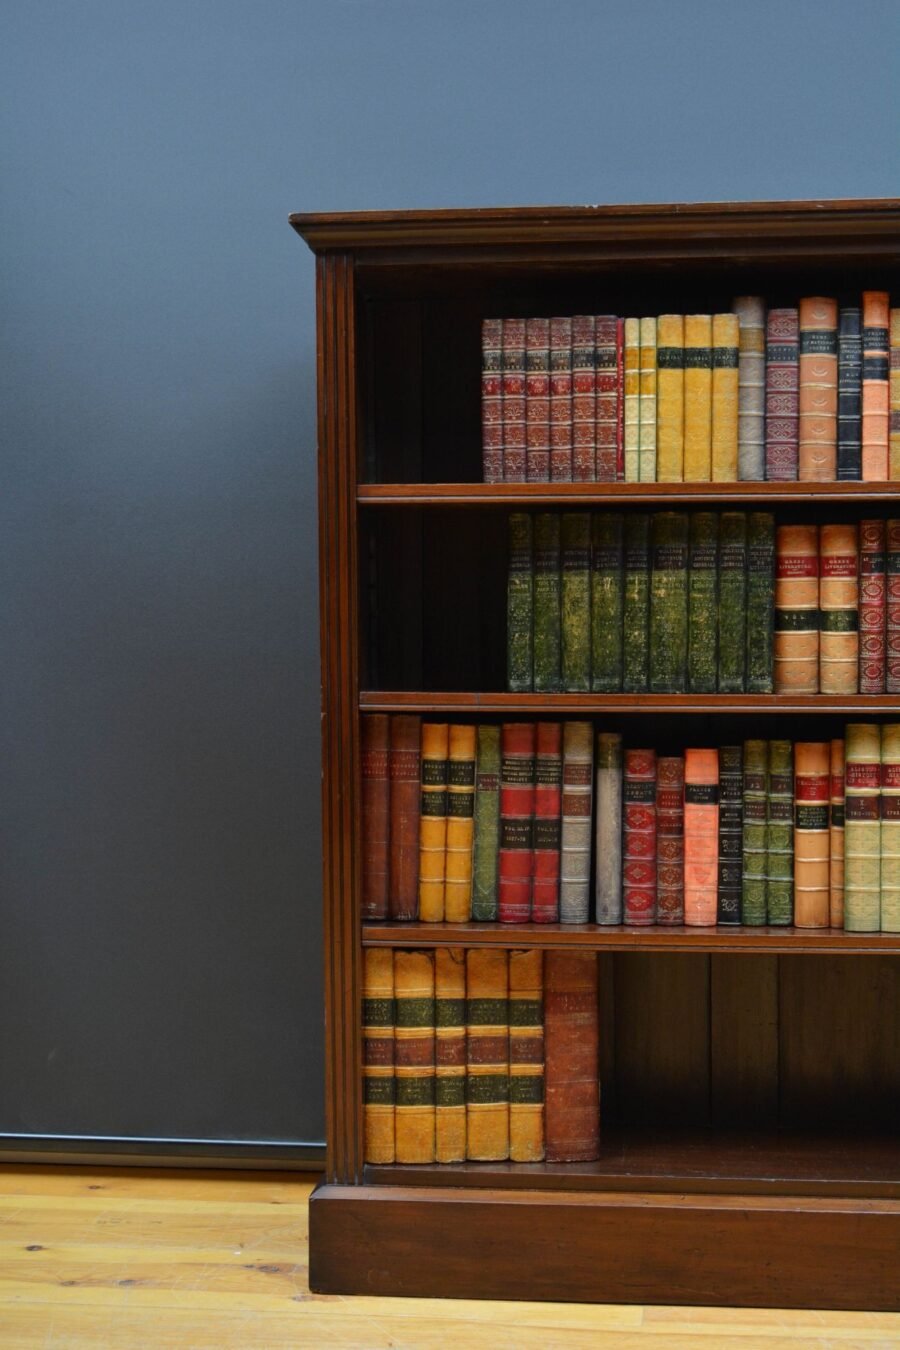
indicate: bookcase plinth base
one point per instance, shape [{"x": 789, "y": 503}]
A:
[{"x": 604, "y": 1247}]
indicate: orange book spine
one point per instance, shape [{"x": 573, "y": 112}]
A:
[
  {"x": 487, "y": 1055},
  {"x": 526, "y": 1056},
  {"x": 812, "y": 791},
  {"x": 796, "y": 640},
  {"x": 378, "y": 1054},
  {"x": 838, "y": 609},
  {"x": 449, "y": 1054},
  {"x": 875, "y": 385},
  {"x": 818, "y": 390},
  {"x": 894, "y": 398},
  {"x": 701, "y": 837},
  {"x": 433, "y": 821},
  {"x": 414, "y": 1056},
  {"x": 836, "y": 837},
  {"x": 460, "y": 824}
]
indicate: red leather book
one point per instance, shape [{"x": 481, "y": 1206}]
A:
[
  {"x": 492, "y": 400},
  {"x": 701, "y": 836},
  {"x": 375, "y": 732},
  {"x": 639, "y": 852},
  {"x": 404, "y": 768},
  {"x": 875, "y": 385},
  {"x": 537, "y": 400},
  {"x": 561, "y": 400},
  {"x": 670, "y": 839},
  {"x": 872, "y": 606},
  {"x": 516, "y": 865},
  {"x": 584, "y": 401},
  {"x": 620, "y": 396},
  {"x": 606, "y": 386},
  {"x": 571, "y": 1049},
  {"x": 892, "y": 627},
  {"x": 547, "y": 808},
  {"x": 514, "y": 417}
]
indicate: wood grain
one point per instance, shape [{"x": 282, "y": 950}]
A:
[
  {"x": 614, "y": 494},
  {"x": 534, "y": 705}
]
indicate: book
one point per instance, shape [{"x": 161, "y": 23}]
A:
[
  {"x": 486, "y": 846},
  {"x": 516, "y": 856},
  {"x": 374, "y": 742},
  {"x": 433, "y": 821},
  {"x": 520, "y": 605},
  {"x": 751, "y": 312},
  {"x": 760, "y": 601},
  {"x": 378, "y": 1054},
  {"x": 561, "y": 400},
  {"x": 639, "y": 846},
  {"x": 697, "y": 463},
  {"x": 537, "y": 400},
  {"x": 584, "y": 400},
  {"x": 754, "y": 833},
  {"x": 862, "y": 827},
  {"x": 492, "y": 400},
  {"x": 780, "y": 835},
  {"x": 731, "y": 822},
  {"x": 414, "y": 1120},
  {"x": 894, "y": 398},
  {"x": 575, "y": 850},
  {"x": 782, "y": 394},
  {"x": 608, "y": 884},
  {"x": 890, "y": 828},
  {"x": 703, "y": 602},
  {"x": 849, "y": 414},
  {"x": 515, "y": 431},
  {"x": 892, "y": 611},
  {"x": 670, "y": 398},
  {"x": 547, "y": 825},
  {"x": 872, "y": 606},
  {"x": 732, "y": 602},
  {"x": 460, "y": 824},
  {"x": 812, "y": 848},
  {"x": 647, "y": 451},
  {"x": 632, "y": 413},
  {"x": 669, "y": 840},
  {"x": 796, "y": 643},
  {"x": 576, "y": 601},
  {"x": 526, "y": 1056},
  {"x": 607, "y": 599},
  {"x": 571, "y": 1048},
  {"x": 487, "y": 1055},
  {"x": 405, "y": 769},
  {"x": 875, "y": 385},
  {"x": 620, "y": 400},
  {"x": 668, "y": 602},
  {"x": 636, "y": 607},
  {"x": 725, "y": 348},
  {"x": 701, "y": 836},
  {"x": 450, "y": 1055},
  {"x": 836, "y": 835},
  {"x": 817, "y": 425},
  {"x": 547, "y": 603},
  {"x": 838, "y": 609},
  {"x": 606, "y": 390}
]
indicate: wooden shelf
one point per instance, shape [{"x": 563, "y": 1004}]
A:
[
  {"x": 593, "y": 705},
  {"x": 617, "y": 494}
]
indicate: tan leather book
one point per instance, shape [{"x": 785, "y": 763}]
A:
[
  {"x": 647, "y": 451},
  {"x": 751, "y": 312},
  {"x": 818, "y": 390},
  {"x": 701, "y": 837},
  {"x": 894, "y": 399},
  {"x": 890, "y": 828},
  {"x": 862, "y": 827},
  {"x": 875, "y": 385},
  {"x": 378, "y": 1055},
  {"x": 697, "y": 398},
  {"x": 450, "y": 1054},
  {"x": 836, "y": 837},
  {"x": 487, "y": 1055},
  {"x": 725, "y": 347},
  {"x": 838, "y": 609},
  {"x": 632, "y": 395},
  {"x": 796, "y": 642},
  {"x": 460, "y": 824},
  {"x": 414, "y": 1056},
  {"x": 670, "y": 398},
  {"x": 526, "y": 1056},
  {"x": 433, "y": 821},
  {"x": 812, "y": 852}
]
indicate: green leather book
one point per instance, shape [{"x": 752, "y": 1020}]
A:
[
  {"x": 668, "y": 602},
  {"x": 780, "y": 834},
  {"x": 607, "y": 587},
  {"x": 754, "y": 833},
  {"x": 520, "y": 606},
  {"x": 486, "y": 845},
  {"x": 547, "y": 650},
  {"x": 576, "y": 602},
  {"x": 636, "y": 608},
  {"x": 760, "y": 601},
  {"x": 703, "y": 585},
  {"x": 732, "y": 601}
]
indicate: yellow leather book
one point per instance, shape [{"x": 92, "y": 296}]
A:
[
  {"x": 836, "y": 837},
  {"x": 647, "y": 451},
  {"x": 632, "y": 395},
  {"x": 414, "y": 1056},
  {"x": 725, "y": 348},
  {"x": 838, "y": 609},
  {"x": 875, "y": 386},
  {"x": 894, "y": 395},
  {"x": 526, "y": 1056},
  {"x": 450, "y": 1054},
  {"x": 697, "y": 398},
  {"x": 862, "y": 827},
  {"x": 433, "y": 821},
  {"x": 670, "y": 398},
  {"x": 890, "y": 828},
  {"x": 378, "y": 1054},
  {"x": 487, "y": 1055},
  {"x": 460, "y": 824},
  {"x": 812, "y": 853}
]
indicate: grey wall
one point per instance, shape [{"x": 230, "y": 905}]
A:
[{"x": 159, "y": 855}]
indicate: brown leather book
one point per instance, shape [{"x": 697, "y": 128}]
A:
[
  {"x": 414, "y": 1056},
  {"x": 374, "y": 736},
  {"x": 526, "y": 1056},
  {"x": 875, "y": 385},
  {"x": 838, "y": 609},
  {"x": 487, "y": 1055},
  {"x": 450, "y": 1054},
  {"x": 701, "y": 837},
  {"x": 812, "y": 792},
  {"x": 836, "y": 837},
  {"x": 433, "y": 821},
  {"x": 796, "y": 645},
  {"x": 818, "y": 389},
  {"x": 571, "y": 1035},
  {"x": 460, "y": 823},
  {"x": 404, "y": 769},
  {"x": 378, "y": 1054}
]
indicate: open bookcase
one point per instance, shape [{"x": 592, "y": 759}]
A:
[{"x": 750, "y": 1077}]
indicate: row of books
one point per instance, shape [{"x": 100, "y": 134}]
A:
[
  {"x": 701, "y": 602},
  {"x": 758, "y": 833},
  {"x": 809, "y": 392},
  {"x": 480, "y": 1055}
]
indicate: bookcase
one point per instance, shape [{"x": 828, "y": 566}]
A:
[{"x": 750, "y": 1077}]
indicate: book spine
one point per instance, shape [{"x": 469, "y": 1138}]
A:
[
  {"x": 516, "y": 860},
  {"x": 836, "y": 836},
  {"x": 492, "y": 400},
  {"x": 632, "y": 428},
  {"x": 890, "y": 828},
  {"x": 862, "y": 827},
  {"x": 547, "y": 824},
  {"x": 697, "y": 398},
  {"x": 753, "y": 873},
  {"x": 725, "y": 349},
  {"x": 636, "y": 607},
  {"x": 701, "y": 837},
  {"x": 414, "y": 1120},
  {"x": 760, "y": 601},
  {"x": 894, "y": 398},
  {"x": 620, "y": 400},
  {"x": 669, "y": 840},
  {"x": 817, "y": 427},
  {"x": 875, "y": 382},
  {"x": 405, "y": 769},
  {"x": 450, "y": 1055},
  {"x": 576, "y": 601},
  {"x": 639, "y": 860},
  {"x": 537, "y": 400},
  {"x": 751, "y": 312},
  {"x": 433, "y": 821},
  {"x": 703, "y": 603},
  {"x": 812, "y": 851},
  {"x": 547, "y": 655},
  {"x": 782, "y": 394},
  {"x": 487, "y": 826},
  {"x": 872, "y": 606},
  {"x": 487, "y": 1055},
  {"x": 668, "y": 602},
  {"x": 460, "y": 824},
  {"x": 526, "y": 1056},
  {"x": 606, "y": 388},
  {"x": 892, "y": 613},
  {"x": 796, "y": 644},
  {"x": 561, "y": 400},
  {"x": 607, "y": 595},
  {"x": 780, "y": 835},
  {"x": 378, "y": 1054},
  {"x": 731, "y": 821},
  {"x": 584, "y": 402},
  {"x": 571, "y": 1039},
  {"x": 515, "y": 429},
  {"x": 575, "y": 859},
  {"x": 670, "y": 398},
  {"x": 838, "y": 609},
  {"x": 647, "y": 451},
  {"x": 732, "y": 602},
  {"x": 849, "y": 415},
  {"x": 374, "y": 742},
  {"x": 608, "y": 884},
  {"x": 520, "y": 605}
]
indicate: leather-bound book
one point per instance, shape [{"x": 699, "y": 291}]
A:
[
  {"x": 862, "y": 827},
  {"x": 374, "y": 741},
  {"x": 526, "y": 1056},
  {"x": 782, "y": 394},
  {"x": 697, "y": 398},
  {"x": 575, "y": 852},
  {"x": 492, "y": 400},
  {"x": 486, "y": 847},
  {"x": 780, "y": 834},
  {"x": 892, "y": 615},
  {"x": 460, "y": 824},
  {"x": 606, "y": 388},
  {"x": 608, "y": 884},
  {"x": 515, "y": 430},
  {"x": 836, "y": 835},
  {"x": 668, "y": 602},
  {"x": 760, "y": 601},
  {"x": 670, "y": 398},
  {"x": 725, "y": 346},
  {"x": 838, "y": 609},
  {"x": 520, "y": 606},
  {"x": 547, "y": 602},
  {"x": 572, "y": 1049},
  {"x": 754, "y": 831},
  {"x": 751, "y": 312},
  {"x": 818, "y": 390},
  {"x": 849, "y": 417},
  {"x": 517, "y": 751},
  {"x": 890, "y": 828},
  {"x": 703, "y": 602},
  {"x": 796, "y": 646},
  {"x": 875, "y": 385},
  {"x": 620, "y": 400},
  {"x": 433, "y": 821},
  {"x": 731, "y": 820},
  {"x": 732, "y": 602},
  {"x": 607, "y": 596},
  {"x": 584, "y": 400},
  {"x": 669, "y": 839},
  {"x": 639, "y": 851},
  {"x": 632, "y": 429},
  {"x": 378, "y": 1054},
  {"x": 647, "y": 452},
  {"x": 405, "y": 769},
  {"x": 894, "y": 399},
  {"x": 561, "y": 400},
  {"x": 537, "y": 400},
  {"x": 414, "y": 1120},
  {"x": 547, "y": 823},
  {"x": 872, "y": 606},
  {"x": 636, "y": 607},
  {"x": 487, "y": 1055},
  {"x": 576, "y": 601},
  {"x": 812, "y": 849},
  {"x": 450, "y": 1054},
  {"x": 701, "y": 837}
]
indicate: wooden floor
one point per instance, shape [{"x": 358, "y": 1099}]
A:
[{"x": 118, "y": 1258}]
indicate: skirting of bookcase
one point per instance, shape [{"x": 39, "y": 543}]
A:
[
  {"x": 595, "y": 705},
  {"x": 612, "y": 494}
]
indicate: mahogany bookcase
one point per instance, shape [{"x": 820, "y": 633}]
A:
[{"x": 750, "y": 1078}]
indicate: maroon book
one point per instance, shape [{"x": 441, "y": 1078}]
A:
[
  {"x": 561, "y": 400},
  {"x": 782, "y": 394},
  {"x": 404, "y": 769},
  {"x": 639, "y": 851},
  {"x": 584, "y": 400},
  {"x": 492, "y": 400},
  {"x": 513, "y": 391},
  {"x": 606, "y": 387},
  {"x": 572, "y": 1047},
  {"x": 537, "y": 400},
  {"x": 872, "y": 607},
  {"x": 670, "y": 839},
  {"x": 374, "y": 738},
  {"x": 547, "y": 825},
  {"x": 620, "y": 404},
  {"x": 516, "y": 862},
  {"x": 892, "y": 626}
]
